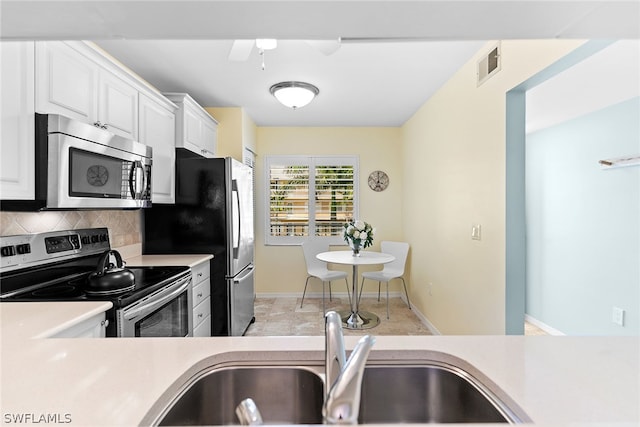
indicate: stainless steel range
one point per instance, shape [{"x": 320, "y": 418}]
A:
[{"x": 79, "y": 265}]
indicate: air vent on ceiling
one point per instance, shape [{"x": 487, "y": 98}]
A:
[{"x": 489, "y": 64}]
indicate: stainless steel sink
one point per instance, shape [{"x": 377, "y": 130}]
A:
[
  {"x": 434, "y": 393},
  {"x": 418, "y": 391},
  {"x": 284, "y": 395}
]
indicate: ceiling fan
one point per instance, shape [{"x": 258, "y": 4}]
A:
[{"x": 242, "y": 48}]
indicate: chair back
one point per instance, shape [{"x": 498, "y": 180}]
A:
[
  {"x": 399, "y": 250},
  {"x": 311, "y": 248}
]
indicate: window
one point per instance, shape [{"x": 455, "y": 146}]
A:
[{"x": 310, "y": 196}]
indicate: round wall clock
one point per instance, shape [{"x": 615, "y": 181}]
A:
[
  {"x": 97, "y": 175},
  {"x": 378, "y": 181}
]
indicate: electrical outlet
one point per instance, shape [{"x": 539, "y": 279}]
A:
[{"x": 617, "y": 316}]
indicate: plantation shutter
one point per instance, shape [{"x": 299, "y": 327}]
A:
[{"x": 309, "y": 197}]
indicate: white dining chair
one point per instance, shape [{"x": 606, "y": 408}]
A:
[
  {"x": 319, "y": 270},
  {"x": 390, "y": 271}
]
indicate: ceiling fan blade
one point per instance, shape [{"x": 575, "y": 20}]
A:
[
  {"x": 327, "y": 47},
  {"x": 240, "y": 50}
]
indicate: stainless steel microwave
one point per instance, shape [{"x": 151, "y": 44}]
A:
[{"x": 83, "y": 166}]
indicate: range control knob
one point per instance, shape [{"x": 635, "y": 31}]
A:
[
  {"x": 8, "y": 251},
  {"x": 23, "y": 249}
]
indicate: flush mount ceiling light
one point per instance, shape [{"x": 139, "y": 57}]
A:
[{"x": 294, "y": 94}]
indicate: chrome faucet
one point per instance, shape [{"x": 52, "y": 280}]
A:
[{"x": 343, "y": 381}]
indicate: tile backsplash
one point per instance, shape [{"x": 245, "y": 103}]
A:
[{"x": 124, "y": 226}]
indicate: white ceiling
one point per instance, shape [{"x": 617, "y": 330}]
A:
[
  {"x": 411, "y": 48},
  {"x": 606, "y": 78}
]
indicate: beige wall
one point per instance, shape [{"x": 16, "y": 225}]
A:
[
  {"x": 454, "y": 176},
  {"x": 281, "y": 269},
  {"x": 236, "y": 131}
]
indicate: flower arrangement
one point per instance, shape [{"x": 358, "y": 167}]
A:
[{"x": 358, "y": 234}]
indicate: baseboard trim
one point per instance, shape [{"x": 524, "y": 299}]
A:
[
  {"x": 548, "y": 329},
  {"x": 425, "y": 321}
]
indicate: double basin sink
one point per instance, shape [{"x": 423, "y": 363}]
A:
[{"x": 418, "y": 391}]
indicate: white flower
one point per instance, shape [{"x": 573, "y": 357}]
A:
[
  {"x": 363, "y": 235},
  {"x": 359, "y": 224},
  {"x": 356, "y": 234}
]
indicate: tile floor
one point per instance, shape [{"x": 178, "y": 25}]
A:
[{"x": 284, "y": 317}]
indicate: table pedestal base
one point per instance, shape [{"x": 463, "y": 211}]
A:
[{"x": 359, "y": 320}]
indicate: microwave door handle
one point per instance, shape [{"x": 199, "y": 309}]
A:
[
  {"x": 137, "y": 180},
  {"x": 130, "y": 315}
]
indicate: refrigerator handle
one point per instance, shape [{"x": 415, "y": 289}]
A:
[
  {"x": 235, "y": 213},
  {"x": 244, "y": 276}
]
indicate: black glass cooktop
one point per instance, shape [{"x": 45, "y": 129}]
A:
[{"x": 68, "y": 282}]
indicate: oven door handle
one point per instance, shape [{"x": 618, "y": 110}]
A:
[{"x": 143, "y": 309}]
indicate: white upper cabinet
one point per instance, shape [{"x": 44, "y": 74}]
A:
[
  {"x": 17, "y": 166},
  {"x": 74, "y": 80},
  {"x": 66, "y": 82},
  {"x": 196, "y": 130},
  {"x": 118, "y": 106},
  {"x": 157, "y": 126}
]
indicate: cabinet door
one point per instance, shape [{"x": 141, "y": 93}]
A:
[
  {"x": 192, "y": 131},
  {"x": 17, "y": 169},
  {"x": 118, "y": 107},
  {"x": 157, "y": 129},
  {"x": 66, "y": 82},
  {"x": 94, "y": 327},
  {"x": 209, "y": 138}
]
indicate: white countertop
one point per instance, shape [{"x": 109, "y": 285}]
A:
[{"x": 115, "y": 381}]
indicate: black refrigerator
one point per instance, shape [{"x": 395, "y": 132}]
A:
[{"x": 213, "y": 214}]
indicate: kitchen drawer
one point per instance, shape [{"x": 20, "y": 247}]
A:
[
  {"x": 204, "y": 328},
  {"x": 200, "y": 272},
  {"x": 201, "y": 311},
  {"x": 201, "y": 291}
]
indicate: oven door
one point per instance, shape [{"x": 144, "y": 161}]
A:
[{"x": 165, "y": 313}]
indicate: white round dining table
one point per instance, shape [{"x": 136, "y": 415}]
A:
[{"x": 355, "y": 319}]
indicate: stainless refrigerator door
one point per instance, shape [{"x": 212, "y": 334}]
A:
[
  {"x": 240, "y": 213},
  {"x": 241, "y": 298}
]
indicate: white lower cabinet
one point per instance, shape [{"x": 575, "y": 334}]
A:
[
  {"x": 201, "y": 300},
  {"x": 94, "y": 327}
]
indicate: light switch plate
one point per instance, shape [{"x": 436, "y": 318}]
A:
[{"x": 476, "y": 232}]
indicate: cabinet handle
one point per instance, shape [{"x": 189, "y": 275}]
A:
[
  {"x": 200, "y": 295},
  {"x": 199, "y": 274},
  {"x": 104, "y": 323},
  {"x": 200, "y": 315},
  {"x": 99, "y": 125}
]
